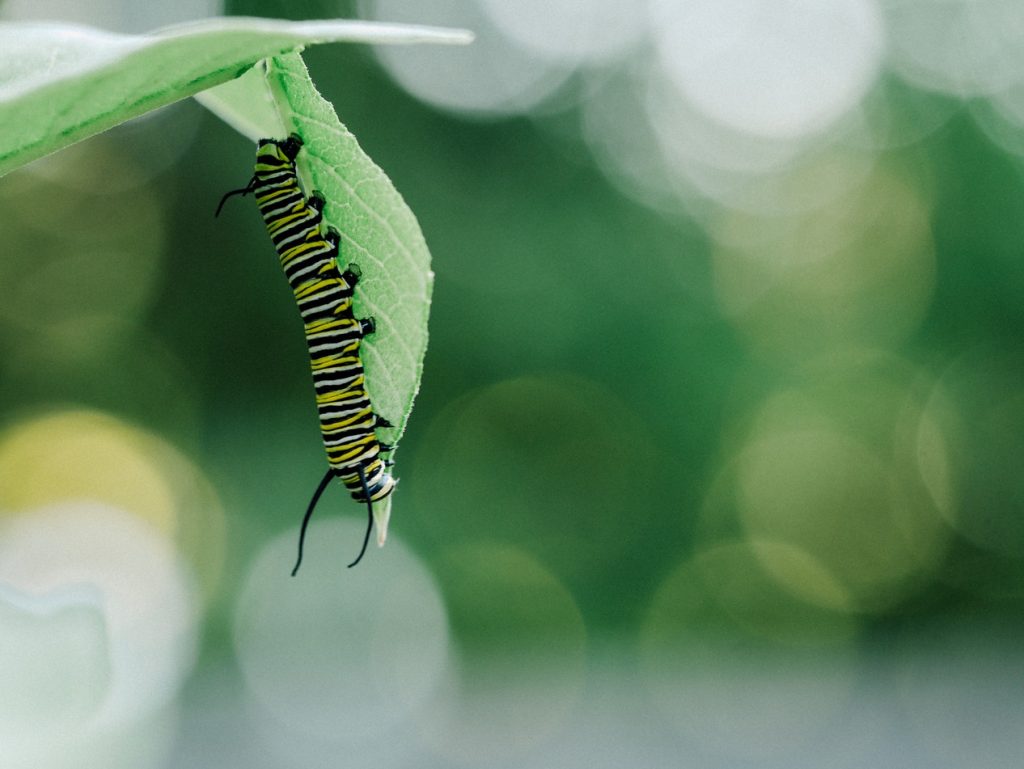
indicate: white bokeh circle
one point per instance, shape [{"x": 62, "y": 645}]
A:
[
  {"x": 773, "y": 68},
  {"x": 343, "y": 654}
]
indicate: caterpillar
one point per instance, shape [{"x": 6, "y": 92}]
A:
[{"x": 324, "y": 295}]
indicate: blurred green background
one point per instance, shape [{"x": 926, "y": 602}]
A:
[{"x": 717, "y": 457}]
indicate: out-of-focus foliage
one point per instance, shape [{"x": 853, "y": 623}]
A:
[{"x": 716, "y": 459}]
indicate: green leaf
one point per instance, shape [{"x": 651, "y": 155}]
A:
[
  {"x": 246, "y": 104},
  {"x": 61, "y": 83},
  {"x": 378, "y": 230}
]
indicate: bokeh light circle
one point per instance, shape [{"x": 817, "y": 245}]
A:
[
  {"x": 54, "y": 663},
  {"x": 703, "y": 154},
  {"x": 858, "y": 270},
  {"x": 860, "y": 510},
  {"x": 623, "y": 142},
  {"x": 739, "y": 666},
  {"x": 86, "y": 454},
  {"x": 139, "y": 584},
  {"x": 491, "y": 77},
  {"x": 962, "y": 47},
  {"x": 517, "y": 668},
  {"x": 540, "y": 462},
  {"x": 773, "y": 69},
  {"x": 978, "y": 402},
  {"x": 92, "y": 262},
  {"x": 827, "y": 493},
  {"x": 342, "y": 654},
  {"x": 575, "y": 31}
]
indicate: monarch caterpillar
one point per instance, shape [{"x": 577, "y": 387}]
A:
[{"x": 324, "y": 294}]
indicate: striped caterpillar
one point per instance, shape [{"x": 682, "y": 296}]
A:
[{"x": 324, "y": 294}]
